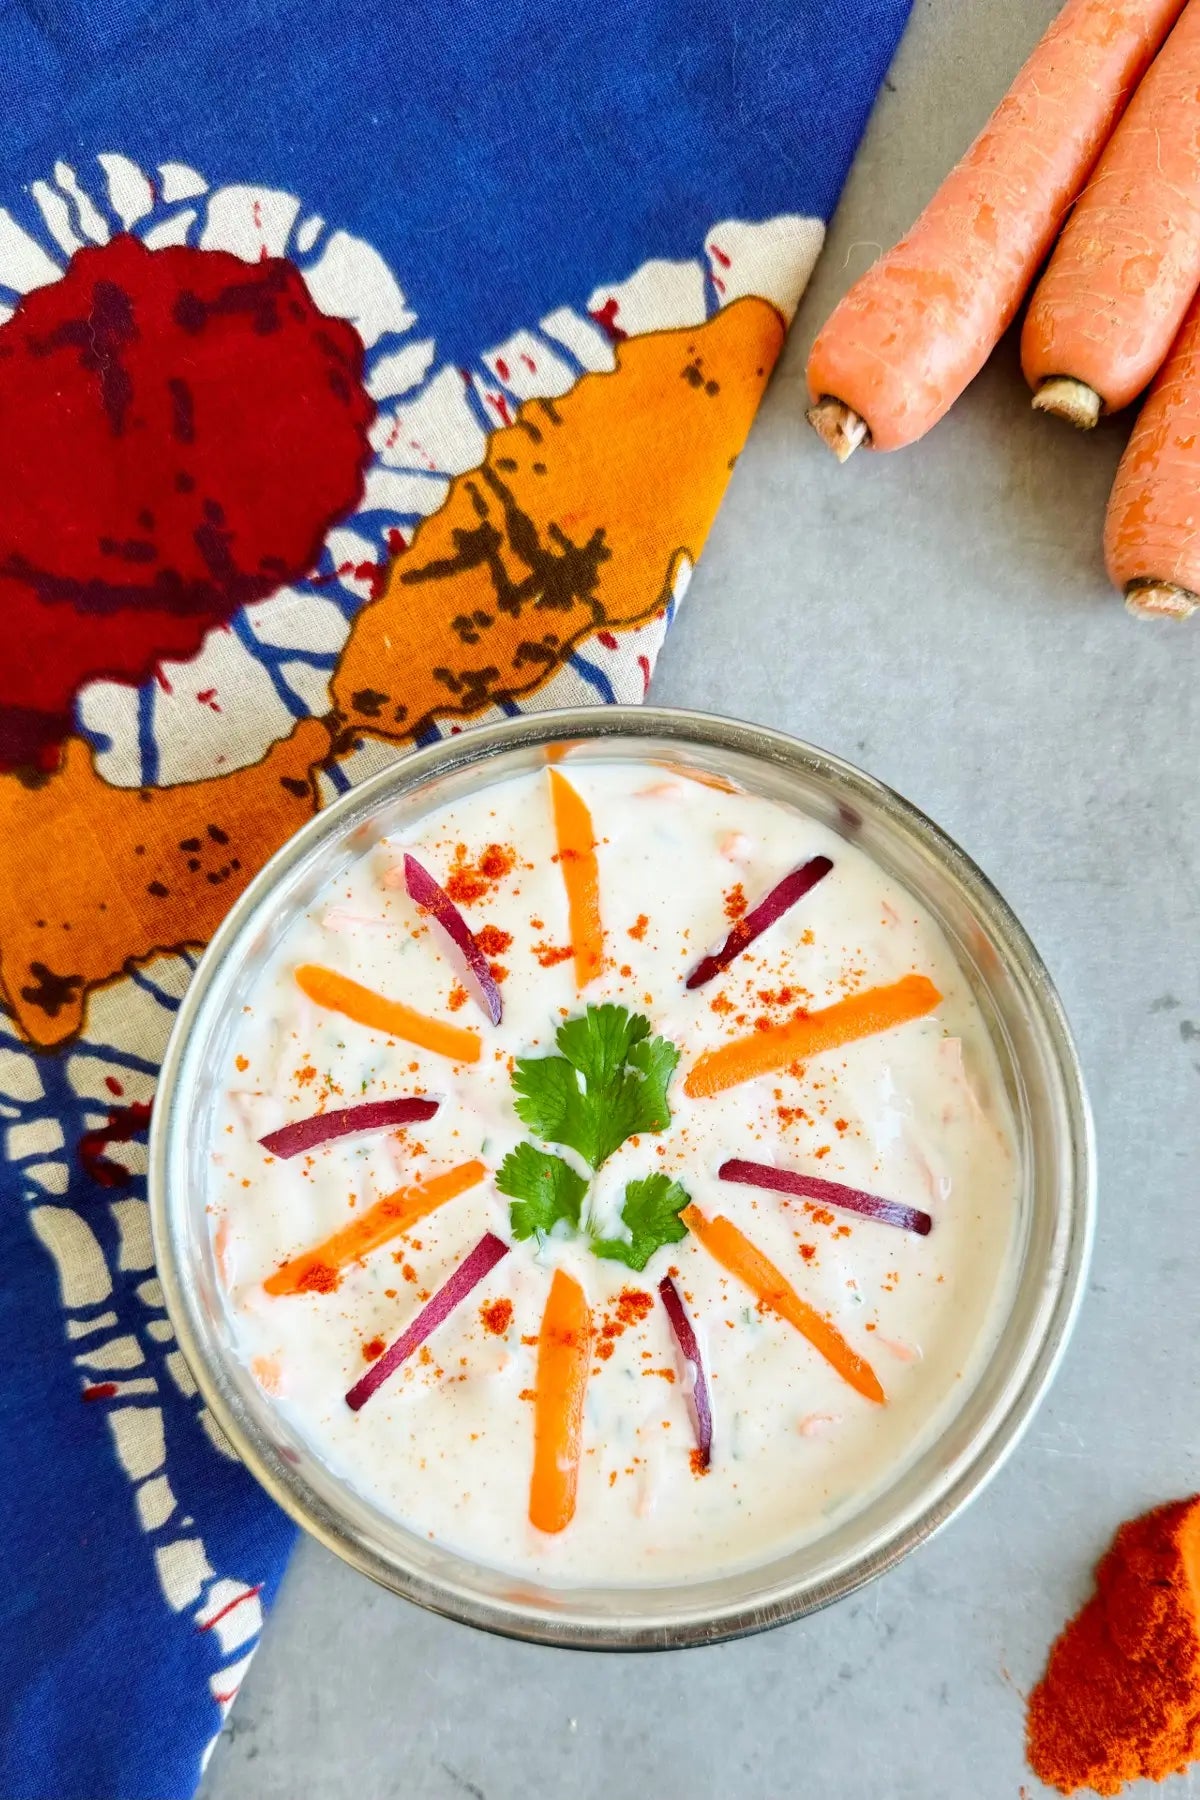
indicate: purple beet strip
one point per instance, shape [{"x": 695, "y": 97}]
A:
[
  {"x": 830, "y": 1193},
  {"x": 372, "y": 1115},
  {"x": 424, "y": 890},
  {"x": 783, "y": 895},
  {"x": 470, "y": 1272},
  {"x": 699, "y": 1404}
]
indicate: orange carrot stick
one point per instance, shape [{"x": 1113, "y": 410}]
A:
[
  {"x": 1128, "y": 262},
  {"x": 362, "y": 1004},
  {"x": 746, "y": 1262},
  {"x": 564, "y": 1350},
  {"x": 316, "y": 1270},
  {"x": 581, "y": 877},
  {"x": 920, "y": 324},
  {"x": 1150, "y": 541},
  {"x": 858, "y": 1016}
]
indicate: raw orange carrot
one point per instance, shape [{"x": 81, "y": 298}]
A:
[
  {"x": 1151, "y": 543},
  {"x": 1128, "y": 262},
  {"x": 366, "y": 1007},
  {"x": 581, "y": 877},
  {"x": 858, "y": 1016},
  {"x": 316, "y": 1270},
  {"x": 564, "y": 1350},
  {"x": 746, "y": 1262},
  {"x": 920, "y": 324}
]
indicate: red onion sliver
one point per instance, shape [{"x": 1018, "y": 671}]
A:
[
  {"x": 372, "y": 1115},
  {"x": 470, "y": 1272},
  {"x": 424, "y": 890},
  {"x": 699, "y": 1404},
  {"x": 830, "y": 1193},
  {"x": 783, "y": 895}
]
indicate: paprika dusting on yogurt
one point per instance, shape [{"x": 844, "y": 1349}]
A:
[
  {"x": 614, "y": 1322},
  {"x": 1120, "y": 1699}
]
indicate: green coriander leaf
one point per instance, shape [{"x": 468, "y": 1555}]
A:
[
  {"x": 655, "y": 1061},
  {"x": 543, "y": 1189},
  {"x": 598, "y": 1043},
  {"x": 550, "y": 1100},
  {"x": 626, "y": 1075},
  {"x": 637, "y": 1100},
  {"x": 651, "y": 1214}
]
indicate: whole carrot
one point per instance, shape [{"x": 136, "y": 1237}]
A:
[
  {"x": 920, "y": 324},
  {"x": 1152, "y": 529},
  {"x": 1128, "y": 262}
]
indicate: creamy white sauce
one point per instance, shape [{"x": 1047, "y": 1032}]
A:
[{"x": 916, "y": 1114}]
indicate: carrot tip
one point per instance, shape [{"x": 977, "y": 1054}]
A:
[
  {"x": 1068, "y": 399},
  {"x": 838, "y": 426},
  {"x": 1160, "y": 600}
]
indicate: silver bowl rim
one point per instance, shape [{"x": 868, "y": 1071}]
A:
[{"x": 713, "y": 732}]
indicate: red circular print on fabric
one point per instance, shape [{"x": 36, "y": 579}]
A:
[{"x": 180, "y": 430}]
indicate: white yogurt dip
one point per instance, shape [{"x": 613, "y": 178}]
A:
[{"x": 915, "y": 1113}]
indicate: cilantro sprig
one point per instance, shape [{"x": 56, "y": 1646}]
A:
[
  {"x": 651, "y": 1213},
  {"x": 609, "y": 1083}
]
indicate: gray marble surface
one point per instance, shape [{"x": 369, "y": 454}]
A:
[{"x": 941, "y": 617}]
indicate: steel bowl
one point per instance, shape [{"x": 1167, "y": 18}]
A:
[{"x": 1053, "y": 1232}]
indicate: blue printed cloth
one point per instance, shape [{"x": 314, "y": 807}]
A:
[{"x": 283, "y": 289}]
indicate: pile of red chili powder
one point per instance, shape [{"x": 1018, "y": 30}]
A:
[{"x": 1120, "y": 1699}]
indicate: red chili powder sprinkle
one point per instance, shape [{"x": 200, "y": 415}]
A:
[
  {"x": 458, "y": 997},
  {"x": 242, "y": 1063},
  {"x": 470, "y": 881},
  {"x": 633, "y": 1305},
  {"x": 626, "y": 971},
  {"x": 527, "y": 1394},
  {"x": 604, "y": 1350},
  {"x": 496, "y": 1316},
  {"x": 319, "y": 1278},
  {"x": 699, "y": 1466},
  {"x": 735, "y": 901},
  {"x": 720, "y": 1003},
  {"x": 492, "y": 941},
  {"x": 498, "y": 971},
  {"x": 306, "y": 1074},
  {"x": 373, "y": 1347},
  {"x": 637, "y": 930},
  {"x": 807, "y": 1251},
  {"x": 549, "y": 955}
]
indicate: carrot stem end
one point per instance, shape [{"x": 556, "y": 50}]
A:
[{"x": 838, "y": 426}]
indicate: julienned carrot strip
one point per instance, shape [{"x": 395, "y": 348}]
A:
[
  {"x": 858, "y": 1016},
  {"x": 564, "y": 1351},
  {"x": 1150, "y": 541},
  {"x": 1128, "y": 262},
  {"x": 746, "y": 1262},
  {"x": 362, "y": 1004},
  {"x": 920, "y": 324},
  {"x": 316, "y": 1270},
  {"x": 581, "y": 877}
]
